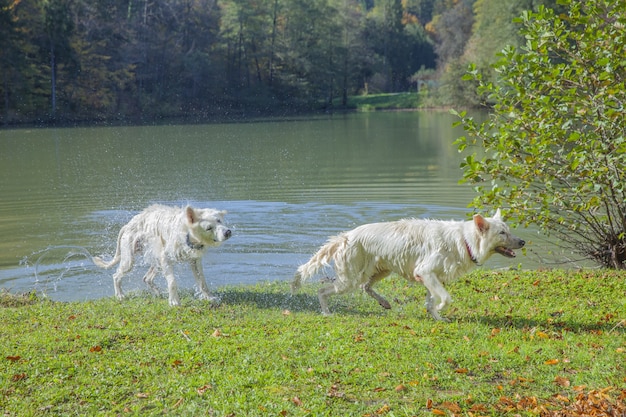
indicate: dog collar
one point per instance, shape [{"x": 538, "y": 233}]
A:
[
  {"x": 195, "y": 246},
  {"x": 469, "y": 251}
]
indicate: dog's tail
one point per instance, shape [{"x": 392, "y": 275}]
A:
[
  {"x": 118, "y": 255},
  {"x": 331, "y": 251}
]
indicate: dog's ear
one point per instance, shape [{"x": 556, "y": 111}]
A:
[
  {"x": 497, "y": 216},
  {"x": 481, "y": 223},
  {"x": 191, "y": 215}
]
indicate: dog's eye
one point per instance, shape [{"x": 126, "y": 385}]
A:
[{"x": 209, "y": 228}]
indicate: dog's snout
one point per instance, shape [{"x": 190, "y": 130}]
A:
[
  {"x": 227, "y": 233},
  {"x": 522, "y": 243}
]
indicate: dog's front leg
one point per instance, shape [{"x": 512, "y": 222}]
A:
[
  {"x": 437, "y": 298},
  {"x": 172, "y": 288},
  {"x": 198, "y": 274}
]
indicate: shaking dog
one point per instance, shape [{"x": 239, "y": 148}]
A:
[{"x": 166, "y": 235}]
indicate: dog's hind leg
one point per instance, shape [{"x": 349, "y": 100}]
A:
[
  {"x": 198, "y": 274},
  {"x": 149, "y": 279},
  {"x": 367, "y": 287},
  {"x": 335, "y": 288}
]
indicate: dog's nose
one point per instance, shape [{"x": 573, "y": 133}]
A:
[
  {"x": 227, "y": 233},
  {"x": 521, "y": 243}
]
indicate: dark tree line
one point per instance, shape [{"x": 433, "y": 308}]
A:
[
  {"x": 147, "y": 59},
  {"x": 78, "y": 59}
]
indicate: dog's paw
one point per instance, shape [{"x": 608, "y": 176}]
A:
[{"x": 215, "y": 301}]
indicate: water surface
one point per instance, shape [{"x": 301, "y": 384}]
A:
[{"x": 287, "y": 184}]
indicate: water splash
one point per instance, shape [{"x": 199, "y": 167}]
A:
[{"x": 65, "y": 264}]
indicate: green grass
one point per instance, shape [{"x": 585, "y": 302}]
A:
[
  {"x": 519, "y": 342},
  {"x": 373, "y": 102}
]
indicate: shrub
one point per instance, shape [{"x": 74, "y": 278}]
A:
[{"x": 555, "y": 142}]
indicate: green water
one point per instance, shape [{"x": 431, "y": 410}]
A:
[{"x": 287, "y": 185}]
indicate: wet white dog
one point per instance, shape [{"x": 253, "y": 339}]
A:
[
  {"x": 166, "y": 235},
  {"x": 431, "y": 252}
]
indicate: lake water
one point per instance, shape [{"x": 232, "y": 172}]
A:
[{"x": 287, "y": 184}]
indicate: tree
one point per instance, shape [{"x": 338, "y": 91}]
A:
[
  {"x": 555, "y": 143},
  {"x": 59, "y": 28},
  {"x": 400, "y": 43}
]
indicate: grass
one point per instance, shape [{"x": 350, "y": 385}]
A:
[
  {"x": 520, "y": 343},
  {"x": 372, "y": 102}
]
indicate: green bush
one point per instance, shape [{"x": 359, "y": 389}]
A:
[{"x": 555, "y": 143}]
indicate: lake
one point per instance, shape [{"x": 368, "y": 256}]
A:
[{"x": 288, "y": 184}]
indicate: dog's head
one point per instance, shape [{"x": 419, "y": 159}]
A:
[
  {"x": 496, "y": 236},
  {"x": 207, "y": 226}
]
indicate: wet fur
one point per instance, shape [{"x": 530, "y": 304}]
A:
[
  {"x": 431, "y": 252},
  {"x": 166, "y": 235}
]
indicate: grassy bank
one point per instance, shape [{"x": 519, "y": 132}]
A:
[
  {"x": 519, "y": 343},
  {"x": 372, "y": 102}
]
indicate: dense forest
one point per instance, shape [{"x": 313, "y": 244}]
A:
[{"x": 140, "y": 60}]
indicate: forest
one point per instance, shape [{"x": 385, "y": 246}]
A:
[{"x": 144, "y": 60}]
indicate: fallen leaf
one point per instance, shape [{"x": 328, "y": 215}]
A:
[
  {"x": 438, "y": 412},
  {"x": 95, "y": 349},
  {"x": 527, "y": 403},
  {"x": 562, "y": 381},
  {"x": 542, "y": 335},
  {"x": 216, "y": 333},
  {"x": 379, "y": 389},
  {"x": 204, "y": 389},
  {"x": 383, "y": 410},
  {"x": 176, "y": 363},
  {"x": 286, "y": 313},
  {"x": 334, "y": 392},
  {"x": 14, "y": 358},
  {"x": 141, "y": 395},
  {"x": 495, "y": 331},
  {"x": 401, "y": 388},
  {"x": 461, "y": 370},
  {"x": 561, "y": 398},
  {"x": 179, "y": 402},
  {"x": 479, "y": 408},
  {"x": 454, "y": 407},
  {"x": 72, "y": 317},
  {"x": 429, "y": 403},
  {"x": 551, "y": 362},
  {"x": 297, "y": 401},
  {"x": 18, "y": 377}
]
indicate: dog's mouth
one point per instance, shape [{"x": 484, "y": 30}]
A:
[{"x": 504, "y": 251}]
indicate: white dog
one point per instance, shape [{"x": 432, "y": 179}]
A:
[
  {"x": 166, "y": 235},
  {"x": 431, "y": 252}
]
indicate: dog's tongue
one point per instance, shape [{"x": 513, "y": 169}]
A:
[{"x": 505, "y": 252}]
